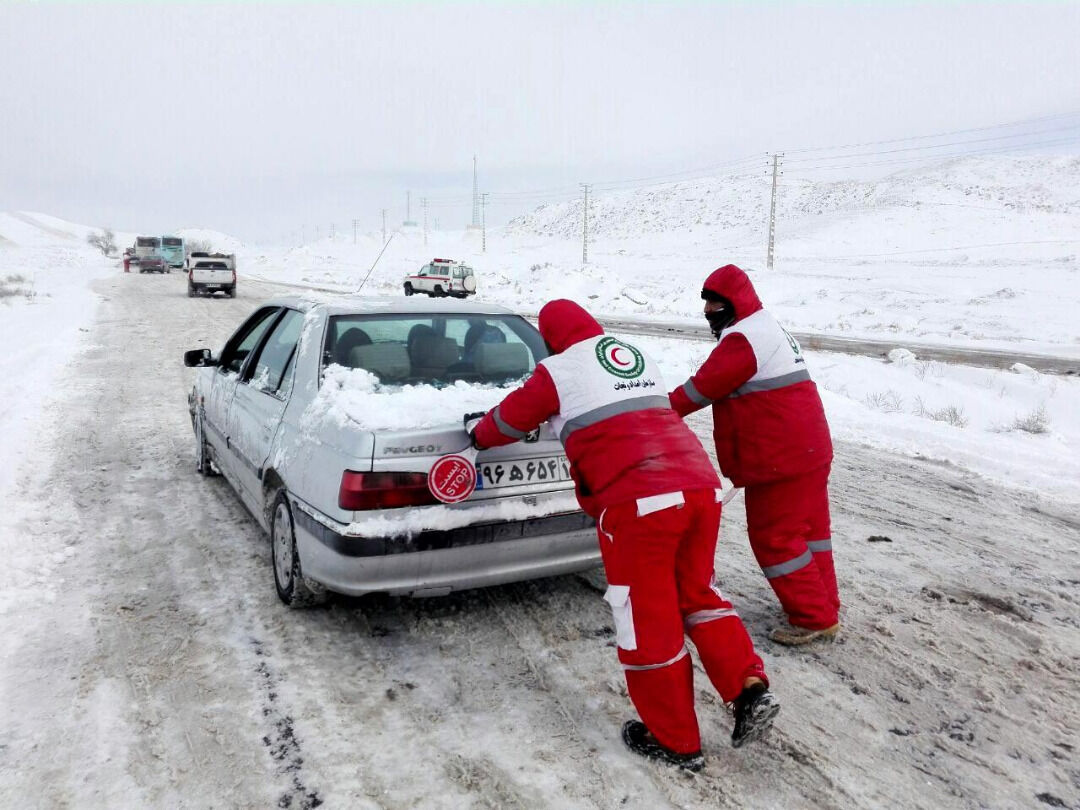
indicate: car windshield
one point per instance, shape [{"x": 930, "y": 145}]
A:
[
  {"x": 435, "y": 349},
  {"x": 171, "y": 242}
]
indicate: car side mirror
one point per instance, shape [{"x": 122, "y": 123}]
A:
[{"x": 198, "y": 358}]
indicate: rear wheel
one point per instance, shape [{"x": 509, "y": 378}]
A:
[{"x": 292, "y": 588}]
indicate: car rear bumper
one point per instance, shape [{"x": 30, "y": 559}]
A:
[{"x": 433, "y": 563}]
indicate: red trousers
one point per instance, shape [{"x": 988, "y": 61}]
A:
[
  {"x": 661, "y": 586},
  {"x": 788, "y": 524}
]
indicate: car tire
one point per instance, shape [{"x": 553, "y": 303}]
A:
[
  {"x": 408, "y": 289},
  {"x": 292, "y": 588},
  {"x": 204, "y": 464},
  {"x": 190, "y": 291},
  {"x": 232, "y": 293},
  {"x": 438, "y": 293}
]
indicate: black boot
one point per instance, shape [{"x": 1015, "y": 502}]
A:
[
  {"x": 640, "y": 740},
  {"x": 754, "y": 709}
]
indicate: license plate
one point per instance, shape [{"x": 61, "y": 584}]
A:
[
  {"x": 212, "y": 286},
  {"x": 496, "y": 474}
]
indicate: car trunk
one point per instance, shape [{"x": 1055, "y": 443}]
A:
[{"x": 521, "y": 468}]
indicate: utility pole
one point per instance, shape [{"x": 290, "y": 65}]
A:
[
  {"x": 475, "y": 195},
  {"x": 585, "y": 225},
  {"x": 423, "y": 204},
  {"x": 355, "y": 222},
  {"x": 384, "y": 226},
  {"x": 772, "y": 208},
  {"x": 483, "y": 222}
]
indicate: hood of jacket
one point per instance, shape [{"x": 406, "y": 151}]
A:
[
  {"x": 564, "y": 323},
  {"x": 732, "y": 283}
]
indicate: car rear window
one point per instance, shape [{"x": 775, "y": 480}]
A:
[{"x": 435, "y": 349}]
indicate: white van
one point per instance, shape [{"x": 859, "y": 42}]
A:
[{"x": 442, "y": 277}]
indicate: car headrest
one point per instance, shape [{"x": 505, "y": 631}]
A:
[
  {"x": 501, "y": 359},
  {"x": 349, "y": 340},
  {"x": 432, "y": 351},
  {"x": 388, "y": 361}
]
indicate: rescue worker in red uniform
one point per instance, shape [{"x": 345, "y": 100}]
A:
[
  {"x": 645, "y": 478},
  {"x": 771, "y": 439}
]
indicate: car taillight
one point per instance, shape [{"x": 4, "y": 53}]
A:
[
  {"x": 383, "y": 490},
  {"x": 233, "y": 276}
]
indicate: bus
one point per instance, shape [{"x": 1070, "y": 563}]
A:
[
  {"x": 146, "y": 246},
  {"x": 172, "y": 250}
]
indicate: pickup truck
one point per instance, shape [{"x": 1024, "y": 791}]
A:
[{"x": 210, "y": 273}]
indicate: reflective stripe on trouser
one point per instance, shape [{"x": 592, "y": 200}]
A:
[
  {"x": 788, "y": 524},
  {"x": 660, "y": 567}
]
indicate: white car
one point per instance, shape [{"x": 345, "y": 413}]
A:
[
  {"x": 326, "y": 415},
  {"x": 442, "y": 277}
]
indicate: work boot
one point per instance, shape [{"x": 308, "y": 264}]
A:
[
  {"x": 792, "y": 636},
  {"x": 641, "y": 741},
  {"x": 754, "y": 710}
]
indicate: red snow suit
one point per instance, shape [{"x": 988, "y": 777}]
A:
[
  {"x": 647, "y": 479},
  {"x": 771, "y": 438}
]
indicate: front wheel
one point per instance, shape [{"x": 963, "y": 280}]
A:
[
  {"x": 204, "y": 464},
  {"x": 408, "y": 289},
  {"x": 292, "y": 588}
]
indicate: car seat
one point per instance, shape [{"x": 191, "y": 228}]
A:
[
  {"x": 349, "y": 340},
  {"x": 501, "y": 360},
  {"x": 388, "y": 361},
  {"x": 432, "y": 355}
]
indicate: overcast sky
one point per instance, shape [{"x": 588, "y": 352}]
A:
[{"x": 258, "y": 119}]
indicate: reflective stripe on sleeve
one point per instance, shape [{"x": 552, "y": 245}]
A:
[
  {"x": 820, "y": 545},
  {"x": 611, "y": 409},
  {"x": 784, "y": 380},
  {"x": 507, "y": 430},
  {"x": 643, "y": 667},
  {"x": 695, "y": 396},
  {"x": 779, "y": 570},
  {"x": 702, "y": 616}
]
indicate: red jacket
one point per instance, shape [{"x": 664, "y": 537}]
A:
[
  {"x": 606, "y": 400},
  {"x": 768, "y": 420}
]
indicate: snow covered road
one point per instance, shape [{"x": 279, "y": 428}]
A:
[{"x": 146, "y": 661}]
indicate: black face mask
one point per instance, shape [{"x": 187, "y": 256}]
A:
[{"x": 721, "y": 318}]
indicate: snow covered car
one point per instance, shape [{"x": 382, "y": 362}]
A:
[
  {"x": 326, "y": 416},
  {"x": 442, "y": 277}
]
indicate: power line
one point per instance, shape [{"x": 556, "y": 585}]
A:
[
  {"x": 1071, "y": 127},
  {"x": 987, "y": 128}
]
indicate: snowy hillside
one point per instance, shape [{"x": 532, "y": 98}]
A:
[{"x": 739, "y": 204}]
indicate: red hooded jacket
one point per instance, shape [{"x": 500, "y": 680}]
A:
[
  {"x": 768, "y": 420},
  {"x": 609, "y": 407}
]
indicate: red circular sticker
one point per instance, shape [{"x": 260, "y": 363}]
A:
[{"x": 452, "y": 479}]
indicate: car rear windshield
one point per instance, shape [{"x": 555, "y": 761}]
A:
[
  {"x": 435, "y": 349},
  {"x": 147, "y": 241}
]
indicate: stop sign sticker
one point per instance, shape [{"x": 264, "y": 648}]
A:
[{"x": 452, "y": 478}]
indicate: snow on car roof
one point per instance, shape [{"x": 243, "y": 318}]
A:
[{"x": 373, "y": 305}]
